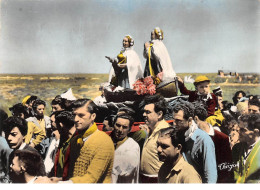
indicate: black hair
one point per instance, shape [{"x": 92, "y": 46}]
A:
[
  {"x": 159, "y": 102},
  {"x": 3, "y": 117},
  {"x": 19, "y": 109},
  {"x": 200, "y": 111},
  {"x": 124, "y": 116},
  {"x": 38, "y": 102},
  {"x": 186, "y": 107},
  {"x": 254, "y": 121},
  {"x": 13, "y": 122},
  {"x": 32, "y": 98},
  {"x": 177, "y": 137},
  {"x": 236, "y": 94},
  {"x": 254, "y": 101},
  {"x": 58, "y": 100},
  {"x": 32, "y": 161},
  {"x": 92, "y": 107},
  {"x": 66, "y": 118}
]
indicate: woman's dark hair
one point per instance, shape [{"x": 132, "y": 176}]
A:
[
  {"x": 236, "y": 94},
  {"x": 38, "y": 102},
  {"x": 58, "y": 100}
]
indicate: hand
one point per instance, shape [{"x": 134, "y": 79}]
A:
[
  {"x": 147, "y": 44},
  {"x": 122, "y": 65}
]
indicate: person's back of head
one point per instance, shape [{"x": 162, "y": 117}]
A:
[
  {"x": 66, "y": 118},
  {"x": 200, "y": 111},
  {"x": 159, "y": 102},
  {"x": 19, "y": 110},
  {"x": 3, "y": 117},
  {"x": 32, "y": 162}
]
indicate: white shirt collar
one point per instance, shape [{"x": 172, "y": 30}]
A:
[
  {"x": 32, "y": 180},
  {"x": 211, "y": 130},
  {"x": 190, "y": 131},
  {"x": 22, "y": 146}
]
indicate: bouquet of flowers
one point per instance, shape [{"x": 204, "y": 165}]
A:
[{"x": 147, "y": 85}]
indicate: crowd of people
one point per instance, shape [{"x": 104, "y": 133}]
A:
[
  {"x": 194, "y": 138},
  {"x": 208, "y": 140}
]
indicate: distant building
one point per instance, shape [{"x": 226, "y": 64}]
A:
[{"x": 227, "y": 73}]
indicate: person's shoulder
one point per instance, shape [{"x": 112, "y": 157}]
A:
[
  {"x": 132, "y": 142},
  {"x": 220, "y": 135},
  {"x": 202, "y": 135}
]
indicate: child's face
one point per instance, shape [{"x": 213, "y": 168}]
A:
[{"x": 203, "y": 88}]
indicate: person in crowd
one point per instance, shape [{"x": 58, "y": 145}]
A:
[
  {"x": 15, "y": 130},
  {"x": 158, "y": 61},
  {"x": 127, "y": 151},
  {"x": 237, "y": 96},
  {"x": 154, "y": 110},
  {"x": 35, "y": 134},
  {"x": 126, "y": 68},
  {"x": 43, "y": 122},
  {"x": 254, "y": 105},
  {"x": 28, "y": 102},
  {"x": 65, "y": 124},
  {"x": 136, "y": 133},
  {"x": 200, "y": 149},
  {"x": 242, "y": 108},
  {"x": 91, "y": 150},
  {"x": 54, "y": 143},
  {"x": 174, "y": 169},
  {"x": 3, "y": 116},
  {"x": 26, "y": 166},
  {"x": 4, "y": 161},
  {"x": 221, "y": 142},
  {"x": 202, "y": 93},
  {"x": 58, "y": 104},
  {"x": 249, "y": 155}
]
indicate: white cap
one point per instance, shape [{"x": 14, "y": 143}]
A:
[{"x": 68, "y": 95}]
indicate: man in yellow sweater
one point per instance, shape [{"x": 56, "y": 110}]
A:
[{"x": 92, "y": 151}]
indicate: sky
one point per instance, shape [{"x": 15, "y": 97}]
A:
[{"x": 64, "y": 36}]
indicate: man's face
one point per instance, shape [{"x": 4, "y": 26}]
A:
[
  {"x": 16, "y": 170},
  {"x": 83, "y": 118},
  {"x": 53, "y": 123},
  {"x": 220, "y": 102},
  {"x": 179, "y": 121},
  {"x": 15, "y": 138},
  {"x": 166, "y": 151},
  {"x": 253, "y": 109},
  {"x": 203, "y": 88},
  {"x": 40, "y": 110},
  {"x": 150, "y": 116},
  {"x": 56, "y": 107},
  {"x": 121, "y": 128}
]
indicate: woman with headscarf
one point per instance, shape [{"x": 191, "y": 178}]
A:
[
  {"x": 158, "y": 59},
  {"x": 126, "y": 67}
]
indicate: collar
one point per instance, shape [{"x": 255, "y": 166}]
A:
[
  {"x": 118, "y": 143},
  {"x": 211, "y": 130},
  {"x": 159, "y": 125},
  {"x": 32, "y": 180},
  {"x": 22, "y": 146},
  {"x": 178, "y": 166},
  {"x": 88, "y": 132},
  {"x": 190, "y": 131},
  {"x": 209, "y": 96}
]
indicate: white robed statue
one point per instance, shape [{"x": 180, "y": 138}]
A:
[{"x": 126, "y": 67}]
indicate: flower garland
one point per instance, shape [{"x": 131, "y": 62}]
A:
[{"x": 147, "y": 85}]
